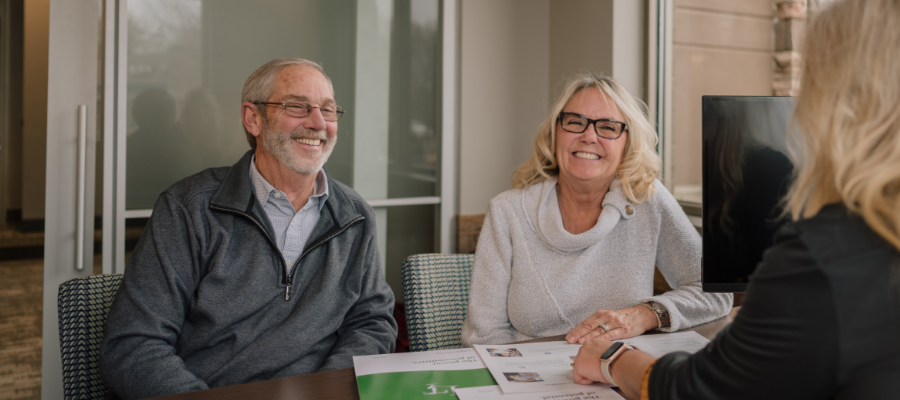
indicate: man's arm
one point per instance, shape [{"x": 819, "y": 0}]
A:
[
  {"x": 369, "y": 326},
  {"x": 138, "y": 357}
]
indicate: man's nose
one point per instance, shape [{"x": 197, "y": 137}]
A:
[{"x": 315, "y": 120}]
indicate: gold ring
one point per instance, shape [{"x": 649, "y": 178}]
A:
[{"x": 602, "y": 325}]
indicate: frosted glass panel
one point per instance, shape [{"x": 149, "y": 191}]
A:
[
  {"x": 410, "y": 230},
  {"x": 188, "y": 59},
  {"x": 187, "y": 62},
  {"x": 414, "y": 136}
]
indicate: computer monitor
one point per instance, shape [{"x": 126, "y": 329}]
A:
[{"x": 746, "y": 173}]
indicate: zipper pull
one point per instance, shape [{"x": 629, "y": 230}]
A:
[{"x": 287, "y": 292}]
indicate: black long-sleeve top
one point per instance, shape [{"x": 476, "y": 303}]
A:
[{"x": 821, "y": 319}]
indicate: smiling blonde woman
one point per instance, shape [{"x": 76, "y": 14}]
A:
[{"x": 572, "y": 248}]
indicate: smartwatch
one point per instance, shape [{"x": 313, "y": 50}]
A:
[{"x": 608, "y": 357}]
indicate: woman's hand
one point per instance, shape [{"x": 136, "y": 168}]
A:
[
  {"x": 586, "y": 369},
  {"x": 627, "y": 370},
  {"x": 621, "y": 324}
]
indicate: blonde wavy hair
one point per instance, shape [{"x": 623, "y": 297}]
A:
[
  {"x": 640, "y": 164},
  {"x": 848, "y": 115}
]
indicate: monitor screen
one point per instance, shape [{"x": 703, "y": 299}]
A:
[{"x": 746, "y": 173}]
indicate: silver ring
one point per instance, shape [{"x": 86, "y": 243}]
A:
[{"x": 605, "y": 328}]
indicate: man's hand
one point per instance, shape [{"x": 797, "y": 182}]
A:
[{"x": 621, "y": 324}]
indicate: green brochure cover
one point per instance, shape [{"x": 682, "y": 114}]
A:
[{"x": 427, "y": 375}]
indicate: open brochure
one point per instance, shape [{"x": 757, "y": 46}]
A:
[
  {"x": 528, "y": 371},
  {"x": 531, "y": 367},
  {"x": 547, "y": 366},
  {"x": 432, "y": 375},
  {"x": 493, "y": 392}
]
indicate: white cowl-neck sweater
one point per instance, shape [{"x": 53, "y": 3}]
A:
[{"x": 532, "y": 278}]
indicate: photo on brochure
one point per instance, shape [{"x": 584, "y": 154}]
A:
[
  {"x": 510, "y": 352},
  {"x": 522, "y": 377}
]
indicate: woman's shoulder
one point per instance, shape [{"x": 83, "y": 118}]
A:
[
  {"x": 836, "y": 233},
  {"x": 835, "y": 242},
  {"x": 661, "y": 201},
  {"x": 661, "y": 193}
]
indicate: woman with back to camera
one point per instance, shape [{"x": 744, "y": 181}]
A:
[
  {"x": 573, "y": 247},
  {"x": 821, "y": 318}
]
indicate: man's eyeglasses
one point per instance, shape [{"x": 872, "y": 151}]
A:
[
  {"x": 605, "y": 128},
  {"x": 301, "y": 109}
]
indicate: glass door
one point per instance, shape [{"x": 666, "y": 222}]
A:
[
  {"x": 74, "y": 111},
  {"x": 186, "y": 64}
]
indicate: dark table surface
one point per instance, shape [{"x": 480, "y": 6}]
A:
[{"x": 340, "y": 384}]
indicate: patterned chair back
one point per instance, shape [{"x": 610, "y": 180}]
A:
[
  {"x": 83, "y": 305},
  {"x": 436, "y": 296}
]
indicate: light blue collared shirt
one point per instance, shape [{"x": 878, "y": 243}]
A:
[{"x": 292, "y": 229}]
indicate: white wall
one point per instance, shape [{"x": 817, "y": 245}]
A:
[
  {"x": 581, "y": 38},
  {"x": 599, "y": 36},
  {"x": 514, "y": 55},
  {"x": 504, "y": 64},
  {"x": 629, "y": 43},
  {"x": 719, "y": 48}
]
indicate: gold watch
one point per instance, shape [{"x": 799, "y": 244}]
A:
[{"x": 662, "y": 314}]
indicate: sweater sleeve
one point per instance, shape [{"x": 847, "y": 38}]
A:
[
  {"x": 369, "y": 326},
  {"x": 678, "y": 254},
  {"x": 487, "y": 319},
  {"x": 782, "y": 345},
  {"x": 138, "y": 357}
]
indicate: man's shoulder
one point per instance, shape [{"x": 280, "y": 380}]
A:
[
  {"x": 200, "y": 185},
  {"x": 347, "y": 200}
]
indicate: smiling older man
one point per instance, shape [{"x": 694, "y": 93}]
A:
[{"x": 265, "y": 269}]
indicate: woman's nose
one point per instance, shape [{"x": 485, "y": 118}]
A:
[{"x": 590, "y": 134}]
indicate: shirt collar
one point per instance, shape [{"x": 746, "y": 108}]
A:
[{"x": 263, "y": 188}]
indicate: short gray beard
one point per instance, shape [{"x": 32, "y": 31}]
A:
[{"x": 279, "y": 146}]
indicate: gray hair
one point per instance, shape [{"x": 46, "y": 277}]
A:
[{"x": 261, "y": 84}]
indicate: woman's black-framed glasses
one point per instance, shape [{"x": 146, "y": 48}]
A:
[
  {"x": 604, "y": 127},
  {"x": 301, "y": 109}
]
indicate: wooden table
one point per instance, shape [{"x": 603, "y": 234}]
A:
[{"x": 340, "y": 384}]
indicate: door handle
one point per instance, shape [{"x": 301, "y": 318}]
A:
[{"x": 79, "y": 211}]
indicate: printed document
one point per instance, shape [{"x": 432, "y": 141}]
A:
[
  {"x": 494, "y": 392},
  {"x": 531, "y": 367},
  {"x": 432, "y": 375},
  {"x": 665, "y": 343},
  {"x": 547, "y": 366}
]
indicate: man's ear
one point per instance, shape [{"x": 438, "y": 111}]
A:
[{"x": 251, "y": 118}]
